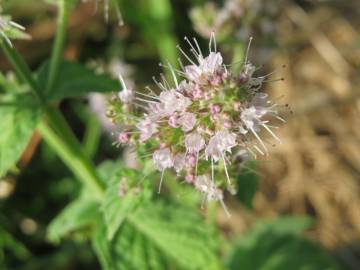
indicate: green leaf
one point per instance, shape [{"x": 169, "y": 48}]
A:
[
  {"x": 159, "y": 236},
  {"x": 278, "y": 245},
  {"x": 126, "y": 190},
  {"x": 77, "y": 215},
  {"x": 17, "y": 125},
  {"x": 75, "y": 80},
  {"x": 247, "y": 184}
]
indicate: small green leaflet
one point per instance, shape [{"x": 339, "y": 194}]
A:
[
  {"x": 126, "y": 190},
  {"x": 75, "y": 216},
  {"x": 75, "y": 80}
]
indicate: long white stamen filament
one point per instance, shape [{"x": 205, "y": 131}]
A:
[
  {"x": 146, "y": 100},
  {"x": 247, "y": 50},
  {"x": 151, "y": 91},
  {"x": 197, "y": 56},
  {"x": 198, "y": 47},
  {"x": 140, "y": 106},
  {"x": 145, "y": 95},
  {"x": 212, "y": 169},
  {"x": 181, "y": 64},
  {"x": 271, "y": 126},
  {"x": 159, "y": 84},
  {"x": 272, "y": 133},
  {"x": 212, "y": 40},
  {"x": 174, "y": 69},
  {"x": 193, "y": 50},
  {"x": 173, "y": 75},
  {"x": 258, "y": 149},
  {"x": 161, "y": 180},
  {"x": 226, "y": 171},
  {"x": 197, "y": 160},
  {"x": 225, "y": 208},
  {"x": 16, "y": 25},
  {"x": 225, "y": 68},
  {"x": 259, "y": 139},
  {"x": 186, "y": 56},
  {"x": 252, "y": 152},
  {"x": 122, "y": 82},
  {"x": 119, "y": 16},
  {"x": 280, "y": 118},
  {"x": 165, "y": 82},
  {"x": 273, "y": 80},
  {"x": 6, "y": 39}
]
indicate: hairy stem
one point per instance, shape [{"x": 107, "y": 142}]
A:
[{"x": 59, "y": 43}]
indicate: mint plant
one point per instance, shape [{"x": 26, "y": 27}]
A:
[{"x": 205, "y": 121}]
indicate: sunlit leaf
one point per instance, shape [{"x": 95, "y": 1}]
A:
[{"x": 159, "y": 236}]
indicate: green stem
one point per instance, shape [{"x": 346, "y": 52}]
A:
[
  {"x": 73, "y": 158},
  {"x": 59, "y": 43},
  {"x": 21, "y": 69},
  {"x": 92, "y": 135},
  {"x": 60, "y": 125}
]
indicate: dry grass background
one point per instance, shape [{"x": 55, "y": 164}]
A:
[{"x": 316, "y": 171}]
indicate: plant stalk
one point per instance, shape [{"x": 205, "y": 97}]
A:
[{"x": 59, "y": 43}]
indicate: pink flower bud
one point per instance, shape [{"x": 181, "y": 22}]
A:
[
  {"x": 215, "y": 109},
  {"x": 189, "y": 178},
  {"x": 173, "y": 121},
  {"x": 197, "y": 93},
  {"x": 191, "y": 161},
  {"x": 123, "y": 137}
]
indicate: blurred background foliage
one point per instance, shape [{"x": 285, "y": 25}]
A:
[{"x": 298, "y": 208}]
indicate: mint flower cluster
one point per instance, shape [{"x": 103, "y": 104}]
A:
[{"x": 201, "y": 124}]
